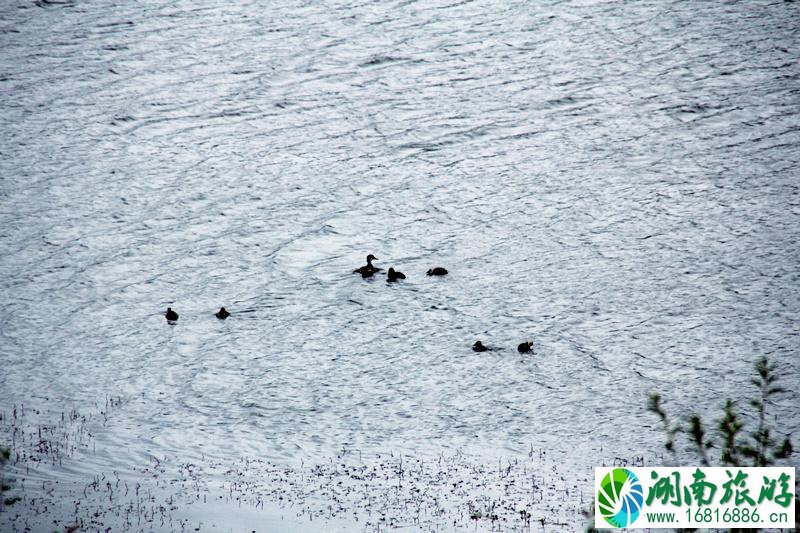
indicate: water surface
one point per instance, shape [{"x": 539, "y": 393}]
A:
[{"x": 616, "y": 181}]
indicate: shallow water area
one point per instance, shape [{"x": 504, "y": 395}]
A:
[{"x": 615, "y": 181}]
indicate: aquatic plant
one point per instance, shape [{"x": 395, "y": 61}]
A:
[{"x": 5, "y": 454}]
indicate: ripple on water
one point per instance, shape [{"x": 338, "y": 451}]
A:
[{"x": 614, "y": 181}]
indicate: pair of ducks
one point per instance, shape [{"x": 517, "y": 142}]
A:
[
  {"x": 525, "y": 347},
  {"x": 172, "y": 316},
  {"x": 368, "y": 270}
]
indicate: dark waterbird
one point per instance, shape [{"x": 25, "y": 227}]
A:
[
  {"x": 171, "y": 315},
  {"x": 222, "y": 314},
  {"x": 394, "y": 275},
  {"x": 479, "y": 347},
  {"x": 437, "y": 271},
  {"x": 367, "y": 270},
  {"x": 525, "y": 347}
]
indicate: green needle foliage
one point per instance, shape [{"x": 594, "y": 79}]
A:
[
  {"x": 698, "y": 436},
  {"x": 764, "y": 444},
  {"x": 729, "y": 427},
  {"x": 670, "y": 430},
  {"x": 756, "y": 448}
]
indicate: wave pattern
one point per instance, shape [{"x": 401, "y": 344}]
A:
[{"x": 616, "y": 181}]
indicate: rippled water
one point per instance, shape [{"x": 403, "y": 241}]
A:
[{"x": 617, "y": 181}]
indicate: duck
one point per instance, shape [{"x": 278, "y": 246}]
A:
[
  {"x": 525, "y": 347},
  {"x": 222, "y": 314},
  {"x": 437, "y": 271},
  {"x": 171, "y": 315},
  {"x": 368, "y": 270},
  {"x": 479, "y": 347},
  {"x": 394, "y": 275}
]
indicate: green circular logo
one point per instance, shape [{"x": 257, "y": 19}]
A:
[{"x": 620, "y": 497}]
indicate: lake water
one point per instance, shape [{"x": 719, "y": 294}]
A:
[{"x": 617, "y": 182}]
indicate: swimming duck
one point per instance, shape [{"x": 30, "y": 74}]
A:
[
  {"x": 368, "y": 269},
  {"x": 222, "y": 314},
  {"x": 479, "y": 347},
  {"x": 525, "y": 347},
  {"x": 394, "y": 275},
  {"x": 171, "y": 315},
  {"x": 438, "y": 271}
]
